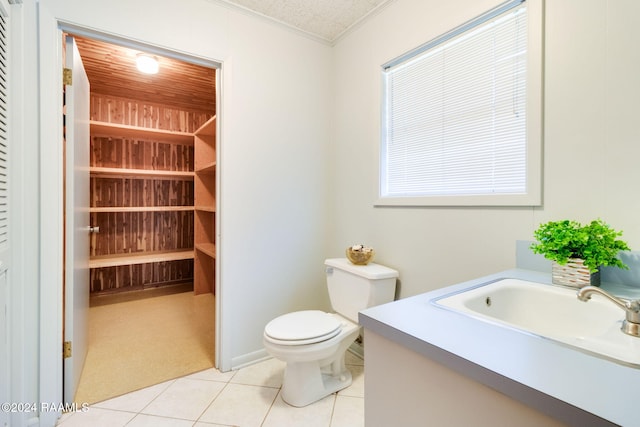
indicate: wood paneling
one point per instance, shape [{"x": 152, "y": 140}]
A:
[
  {"x": 180, "y": 98},
  {"x": 145, "y": 114},
  {"x": 140, "y": 276},
  {"x": 135, "y": 232},
  {"x": 113, "y": 152},
  {"x": 129, "y": 192},
  {"x": 112, "y": 71}
]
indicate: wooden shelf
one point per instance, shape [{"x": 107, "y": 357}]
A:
[
  {"x": 130, "y": 259},
  {"x": 125, "y": 131},
  {"x": 205, "y": 206},
  {"x": 205, "y": 147},
  {"x": 208, "y": 128},
  {"x": 209, "y": 169},
  {"x": 141, "y": 209},
  {"x": 211, "y": 209},
  {"x": 99, "y": 171},
  {"x": 207, "y": 248}
]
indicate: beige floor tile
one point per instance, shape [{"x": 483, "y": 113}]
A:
[
  {"x": 201, "y": 424},
  {"x": 356, "y": 389},
  {"x": 185, "y": 398},
  {"x": 267, "y": 374},
  {"x": 248, "y": 397},
  {"x": 352, "y": 359},
  {"x": 317, "y": 414},
  {"x": 96, "y": 417},
  {"x": 348, "y": 412},
  {"x": 240, "y": 405},
  {"x": 212, "y": 375},
  {"x": 135, "y": 401},
  {"x": 142, "y": 420}
]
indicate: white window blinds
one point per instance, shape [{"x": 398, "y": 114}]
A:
[{"x": 455, "y": 113}]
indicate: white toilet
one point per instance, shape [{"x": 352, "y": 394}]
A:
[{"x": 313, "y": 343}]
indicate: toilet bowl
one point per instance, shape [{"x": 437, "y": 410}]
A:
[
  {"x": 315, "y": 365},
  {"x": 313, "y": 343}
]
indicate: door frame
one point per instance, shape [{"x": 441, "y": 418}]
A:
[{"x": 51, "y": 207}]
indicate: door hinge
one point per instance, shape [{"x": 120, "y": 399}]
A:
[
  {"x": 66, "y": 349},
  {"x": 67, "y": 76}
]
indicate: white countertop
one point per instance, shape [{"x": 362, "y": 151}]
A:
[{"x": 599, "y": 386}]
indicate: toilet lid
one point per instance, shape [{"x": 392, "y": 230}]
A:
[{"x": 303, "y": 327}]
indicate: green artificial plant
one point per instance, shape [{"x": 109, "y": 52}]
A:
[{"x": 596, "y": 243}]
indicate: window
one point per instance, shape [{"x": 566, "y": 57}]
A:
[{"x": 462, "y": 115}]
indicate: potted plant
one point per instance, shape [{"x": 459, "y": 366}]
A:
[{"x": 578, "y": 251}]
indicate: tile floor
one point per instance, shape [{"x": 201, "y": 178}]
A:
[{"x": 248, "y": 397}]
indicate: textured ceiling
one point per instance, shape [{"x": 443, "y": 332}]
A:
[{"x": 326, "y": 19}]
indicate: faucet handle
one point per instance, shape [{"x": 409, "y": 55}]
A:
[{"x": 631, "y": 324}]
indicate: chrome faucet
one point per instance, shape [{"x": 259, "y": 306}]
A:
[{"x": 631, "y": 324}]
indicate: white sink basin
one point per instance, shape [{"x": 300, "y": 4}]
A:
[{"x": 550, "y": 312}]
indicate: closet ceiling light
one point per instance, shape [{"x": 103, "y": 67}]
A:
[{"x": 147, "y": 64}]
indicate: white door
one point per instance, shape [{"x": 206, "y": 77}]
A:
[{"x": 76, "y": 290}]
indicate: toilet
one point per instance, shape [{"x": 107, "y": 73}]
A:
[{"x": 313, "y": 343}]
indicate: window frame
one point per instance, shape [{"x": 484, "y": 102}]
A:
[{"x": 534, "y": 120}]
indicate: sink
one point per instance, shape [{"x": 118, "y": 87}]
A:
[{"x": 550, "y": 312}]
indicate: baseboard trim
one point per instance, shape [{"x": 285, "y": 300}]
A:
[{"x": 248, "y": 359}]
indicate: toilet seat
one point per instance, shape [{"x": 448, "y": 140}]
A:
[{"x": 302, "y": 327}]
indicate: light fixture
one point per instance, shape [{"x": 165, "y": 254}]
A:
[{"x": 146, "y": 63}]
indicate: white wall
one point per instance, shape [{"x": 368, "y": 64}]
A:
[
  {"x": 297, "y": 115},
  {"x": 591, "y": 140},
  {"x": 275, "y": 121},
  {"x": 23, "y": 277}
]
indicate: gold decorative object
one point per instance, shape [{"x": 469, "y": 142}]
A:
[{"x": 360, "y": 254}]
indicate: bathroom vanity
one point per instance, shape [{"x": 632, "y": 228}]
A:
[{"x": 427, "y": 365}]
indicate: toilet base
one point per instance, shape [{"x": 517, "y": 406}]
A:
[
  {"x": 314, "y": 371},
  {"x": 308, "y": 382}
]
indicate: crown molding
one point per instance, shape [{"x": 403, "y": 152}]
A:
[{"x": 289, "y": 27}]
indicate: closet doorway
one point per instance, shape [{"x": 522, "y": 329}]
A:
[{"x": 152, "y": 207}]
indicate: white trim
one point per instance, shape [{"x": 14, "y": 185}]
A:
[
  {"x": 535, "y": 124},
  {"x": 250, "y": 359},
  {"x": 315, "y": 37},
  {"x": 535, "y": 97},
  {"x": 51, "y": 212},
  {"x": 223, "y": 321},
  {"x": 272, "y": 20},
  {"x": 24, "y": 276},
  {"x": 132, "y": 43},
  {"x": 357, "y": 24}
]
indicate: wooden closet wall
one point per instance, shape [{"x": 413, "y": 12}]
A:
[{"x": 142, "y": 195}]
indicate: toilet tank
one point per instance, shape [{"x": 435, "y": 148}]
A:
[{"x": 355, "y": 287}]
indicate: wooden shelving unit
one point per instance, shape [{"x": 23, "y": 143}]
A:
[
  {"x": 130, "y": 259},
  {"x": 208, "y": 249},
  {"x": 142, "y": 209},
  {"x": 205, "y": 207},
  {"x": 125, "y": 131},
  {"x": 151, "y": 173},
  {"x": 145, "y": 180}
]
